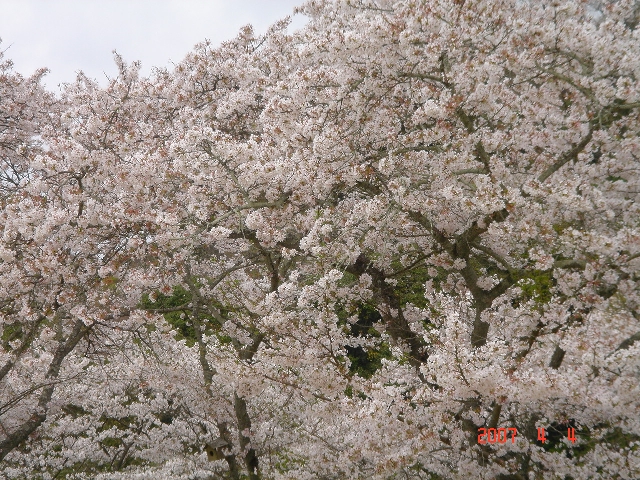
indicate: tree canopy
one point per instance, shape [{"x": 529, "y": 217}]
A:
[{"x": 373, "y": 248}]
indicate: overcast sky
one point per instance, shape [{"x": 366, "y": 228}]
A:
[{"x": 71, "y": 35}]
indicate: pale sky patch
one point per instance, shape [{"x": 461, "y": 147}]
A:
[{"x": 67, "y": 36}]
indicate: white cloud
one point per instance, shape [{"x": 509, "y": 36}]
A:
[{"x": 71, "y": 35}]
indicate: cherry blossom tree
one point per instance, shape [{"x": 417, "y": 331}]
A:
[
  {"x": 359, "y": 250},
  {"x": 24, "y": 112}
]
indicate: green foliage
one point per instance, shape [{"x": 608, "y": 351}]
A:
[
  {"x": 82, "y": 468},
  {"x": 410, "y": 287},
  {"x": 536, "y": 285},
  {"x": 615, "y": 437},
  {"x": 368, "y": 316},
  {"x": 182, "y": 320},
  {"x": 178, "y": 320},
  {"x": 365, "y": 363},
  {"x": 613, "y": 178},
  {"x": 560, "y": 227},
  {"x": 585, "y": 439},
  {"x": 11, "y": 332},
  {"x": 86, "y": 468},
  {"x": 121, "y": 424},
  {"x": 74, "y": 411},
  {"x": 120, "y": 456},
  {"x": 113, "y": 424},
  {"x": 287, "y": 462}
]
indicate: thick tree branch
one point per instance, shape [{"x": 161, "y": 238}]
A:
[
  {"x": 27, "y": 428},
  {"x": 567, "y": 157},
  {"x": 629, "y": 342},
  {"x": 398, "y": 326}
]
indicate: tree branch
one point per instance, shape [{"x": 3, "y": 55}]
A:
[
  {"x": 564, "y": 159},
  {"x": 27, "y": 428}
]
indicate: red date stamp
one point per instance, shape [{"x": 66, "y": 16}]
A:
[
  {"x": 500, "y": 435},
  {"x": 493, "y": 435}
]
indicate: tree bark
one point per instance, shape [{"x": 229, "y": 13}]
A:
[
  {"x": 244, "y": 424},
  {"x": 27, "y": 428},
  {"x": 398, "y": 326}
]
